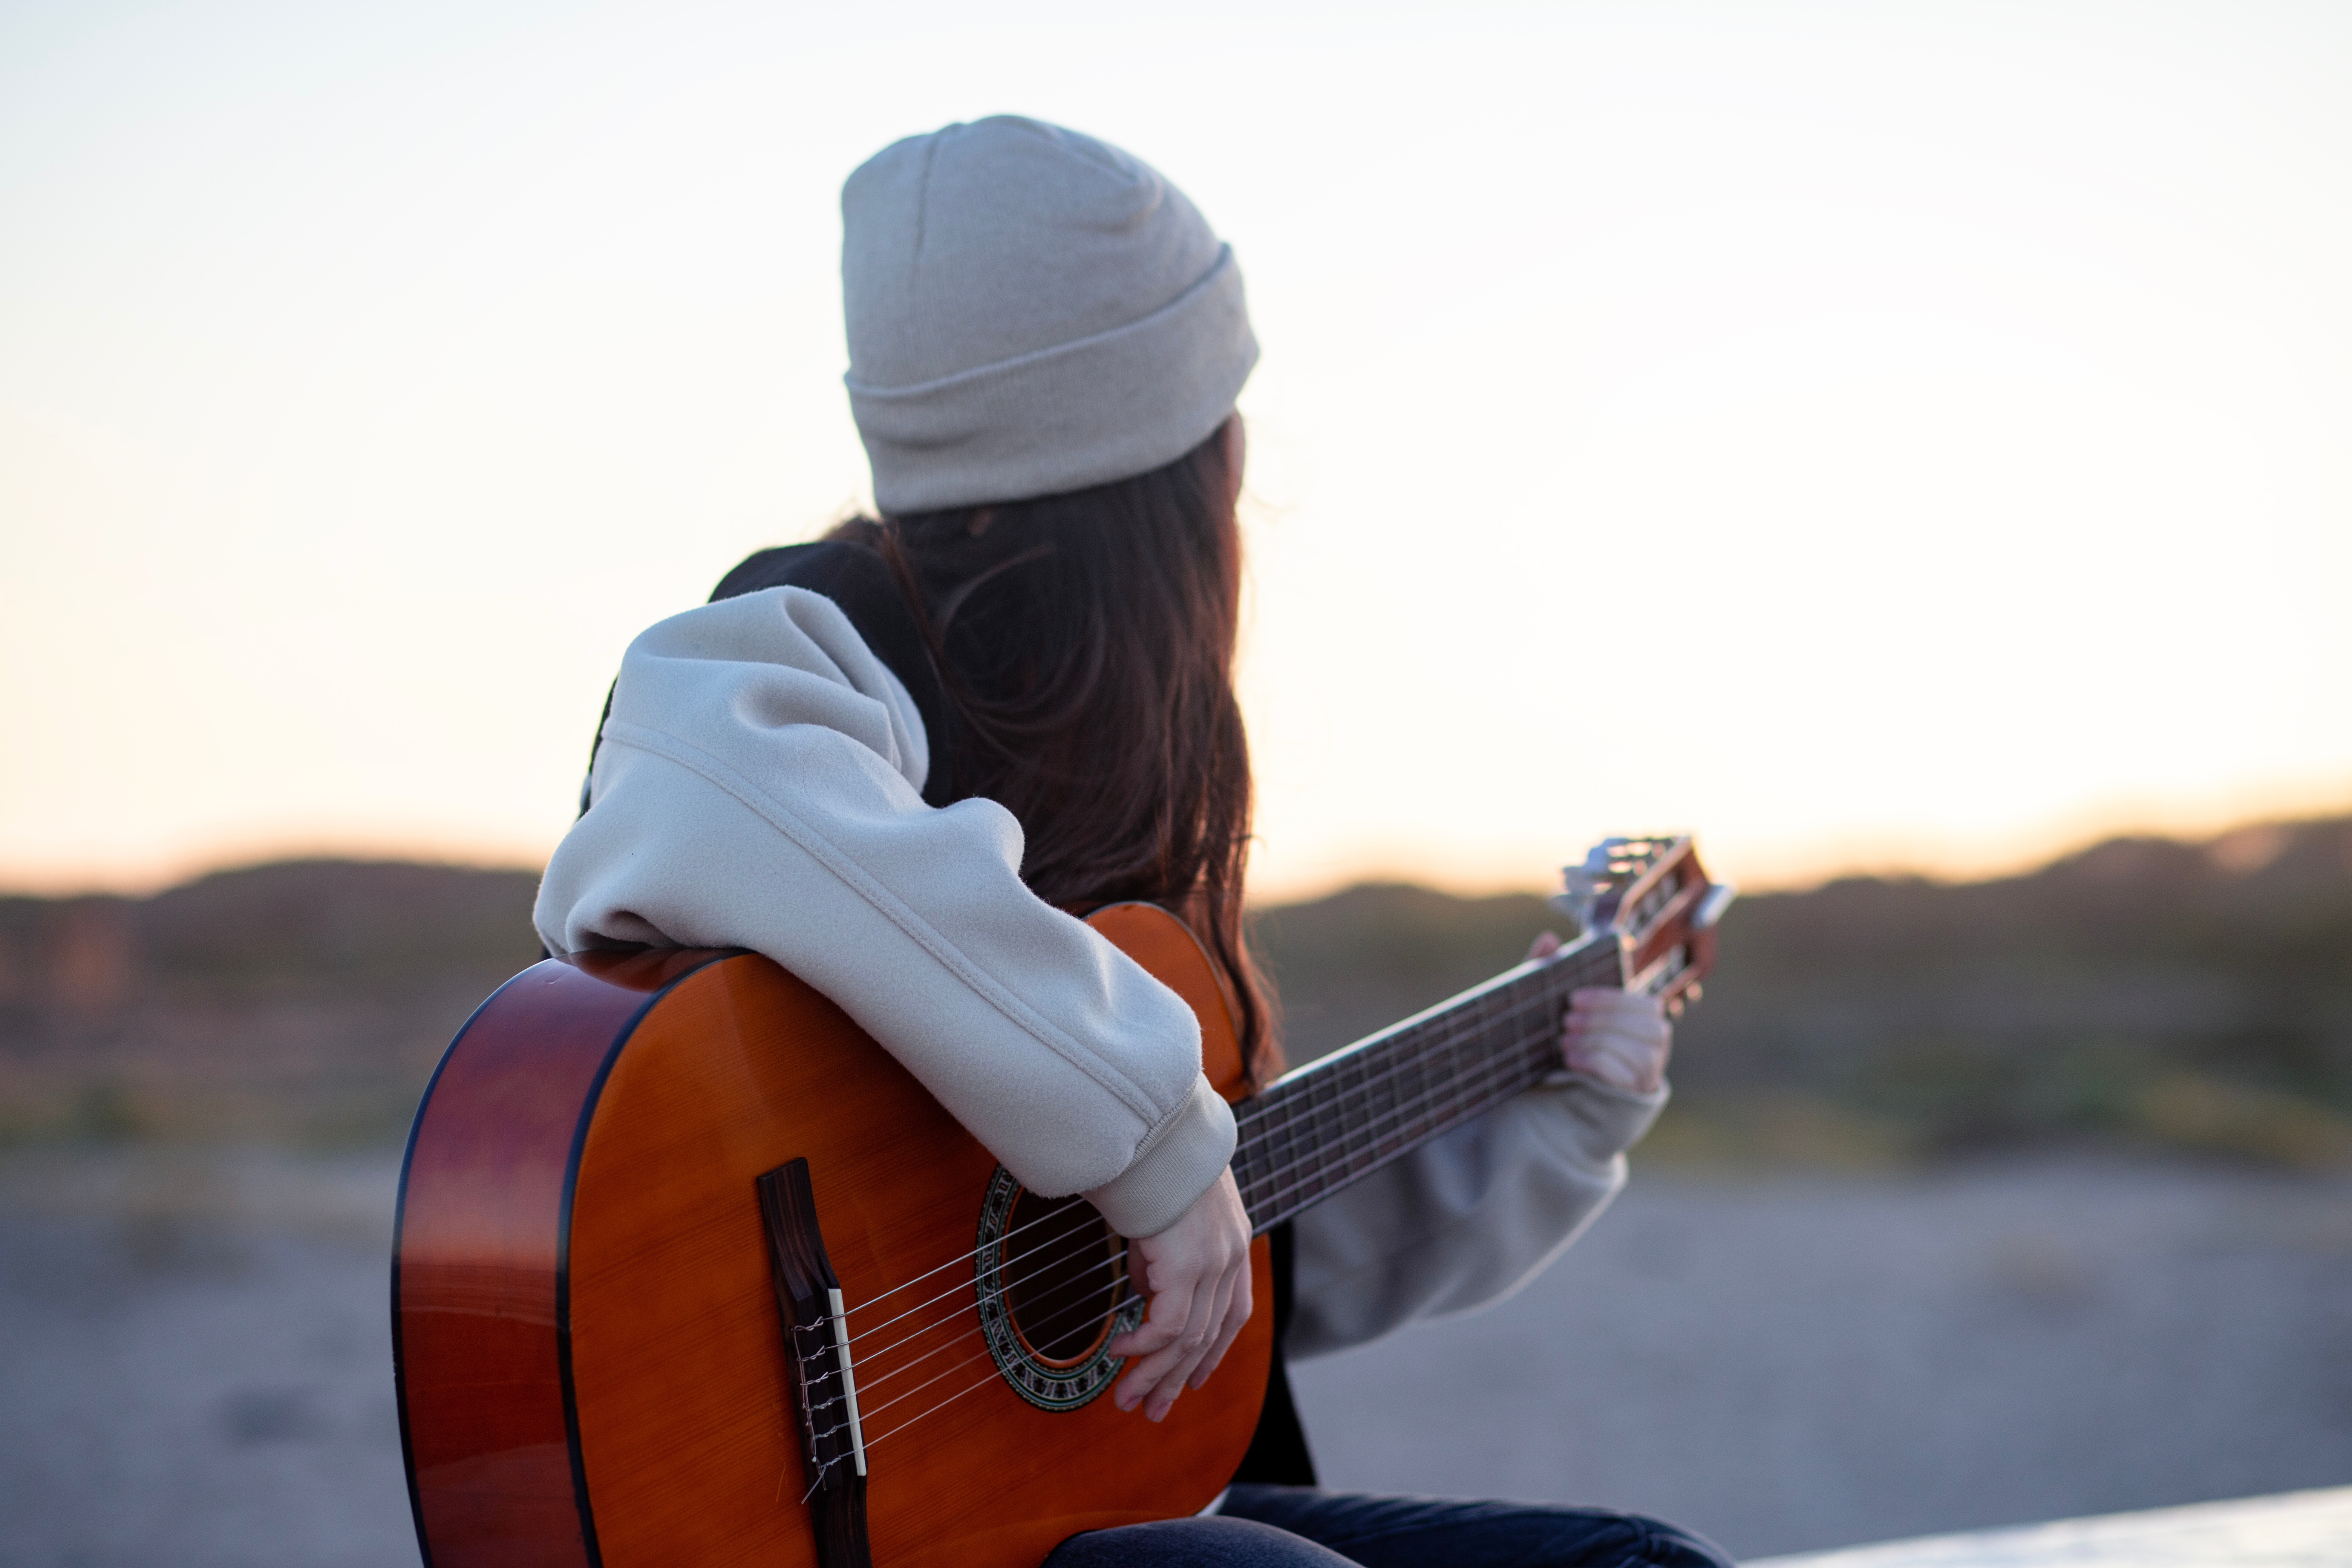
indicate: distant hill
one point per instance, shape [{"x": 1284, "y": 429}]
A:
[
  {"x": 2147, "y": 991},
  {"x": 308, "y": 998},
  {"x": 2150, "y": 992}
]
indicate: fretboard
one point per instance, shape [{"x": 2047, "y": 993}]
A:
[{"x": 1338, "y": 1118}]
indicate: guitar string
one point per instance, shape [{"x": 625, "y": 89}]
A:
[
  {"x": 1448, "y": 1037},
  {"x": 1485, "y": 1078},
  {"x": 1270, "y": 1196},
  {"x": 1488, "y": 1070},
  {"x": 984, "y": 1353},
  {"x": 1405, "y": 1110},
  {"x": 1476, "y": 1019},
  {"x": 1116, "y": 1308},
  {"x": 961, "y": 1285},
  {"x": 1315, "y": 1095},
  {"x": 1271, "y": 1152},
  {"x": 1269, "y": 1191},
  {"x": 1318, "y": 1109},
  {"x": 1553, "y": 981},
  {"x": 1597, "y": 966},
  {"x": 963, "y": 1327},
  {"x": 1465, "y": 1091},
  {"x": 1488, "y": 1067},
  {"x": 972, "y": 1388},
  {"x": 956, "y": 1320},
  {"x": 1366, "y": 1132},
  {"x": 1370, "y": 1098},
  {"x": 1458, "y": 1087},
  {"x": 1548, "y": 989},
  {"x": 1262, "y": 1130},
  {"x": 1463, "y": 1087},
  {"x": 950, "y": 1263},
  {"x": 959, "y": 1393}
]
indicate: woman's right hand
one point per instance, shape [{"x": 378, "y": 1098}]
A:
[{"x": 1197, "y": 1275}]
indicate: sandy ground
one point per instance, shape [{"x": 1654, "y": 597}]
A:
[
  {"x": 1800, "y": 1363},
  {"x": 194, "y": 1364}
]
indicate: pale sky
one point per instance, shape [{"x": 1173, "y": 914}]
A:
[{"x": 1873, "y": 436}]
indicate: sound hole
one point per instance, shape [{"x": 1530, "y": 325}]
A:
[{"x": 1060, "y": 1265}]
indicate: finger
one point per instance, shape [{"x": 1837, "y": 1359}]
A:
[
  {"x": 1161, "y": 1340},
  {"x": 1599, "y": 999},
  {"x": 1209, "y": 1332},
  {"x": 1152, "y": 1382},
  {"x": 1609, "y": 999},
  {"x": 1180, "y": 1358},
  {"x": 1632, "y": 1059},
  {"x": 1237, "y": 1315},
  {"x": 1639, "y": 1021},
  {"x": 1162, "y": 1330},
  {"x": 1143, "y": 1337},
  {"x": 1544, "y": 946},
  {"x": 1141, "y": 1385},
  {"x": 1214, "y": 1336}
]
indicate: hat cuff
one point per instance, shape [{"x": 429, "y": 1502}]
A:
[{"x": 1105, "y": 407}]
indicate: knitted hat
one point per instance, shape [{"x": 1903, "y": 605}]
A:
[{"x": 1030, "y": 310}]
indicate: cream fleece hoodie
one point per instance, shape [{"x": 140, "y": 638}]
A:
[{"x": 759, "y": 786}]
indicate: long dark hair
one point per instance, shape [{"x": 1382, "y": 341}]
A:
[{"x": 1085, "y": 642}]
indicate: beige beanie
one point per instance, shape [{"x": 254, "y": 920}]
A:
[{"x": 1030, "y": 310}]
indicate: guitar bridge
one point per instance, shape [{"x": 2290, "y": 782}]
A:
[{"x": 823, "y": 1379}]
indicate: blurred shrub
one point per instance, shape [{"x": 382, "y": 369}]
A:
[
  {"x": 306, "y": 999},
  {"x": 2186, "y": 996},
  {"x": 2182, "y": 995}
]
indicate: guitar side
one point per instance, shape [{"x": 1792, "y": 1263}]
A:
[{"x": 591, "y": 1360}]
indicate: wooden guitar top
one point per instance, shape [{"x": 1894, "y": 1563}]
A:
[{"x": 591, "y": 1361}]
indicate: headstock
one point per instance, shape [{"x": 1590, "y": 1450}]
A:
[{"x": 1652, "y": 895}]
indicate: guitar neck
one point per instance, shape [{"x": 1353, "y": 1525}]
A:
[{"x": 1336, "y": 1121}]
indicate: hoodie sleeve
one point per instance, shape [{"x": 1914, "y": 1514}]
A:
[
  {"x": 759, "y": 786},
  {"x": 1468, "y": 1218}
]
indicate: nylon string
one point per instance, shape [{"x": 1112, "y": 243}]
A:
[
  {"x": 1316, "y": 1113},
  {"x": 1484, "y": 1076}
]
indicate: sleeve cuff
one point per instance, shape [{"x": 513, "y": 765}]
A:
[
  {"x": 1179, "y": 1161},
  {"x": 1602, "y": 1121}
]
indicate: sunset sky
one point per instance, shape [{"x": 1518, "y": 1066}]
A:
[{"x": 1876, "y": 436}]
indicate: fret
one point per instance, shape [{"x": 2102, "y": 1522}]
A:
[
  {"x": 1313, "y": 1131},
  {"x": 1445, "y": 1063},
  {"x": 1357, "y": 1138},
  {"x": 1386, "y": 1099},
  {"x": 1332, "y": 1122},
  {"x": 1361, "y": 1139}
]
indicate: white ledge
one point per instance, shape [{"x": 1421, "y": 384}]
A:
[{"x": 2291, "y": 1529}]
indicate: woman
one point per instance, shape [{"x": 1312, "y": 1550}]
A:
[{"x": 895, "y": 759}]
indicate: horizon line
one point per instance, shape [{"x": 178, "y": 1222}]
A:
[{"x": 70, "y": 889}]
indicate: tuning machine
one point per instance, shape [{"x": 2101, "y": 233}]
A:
[{"x": 1591, "y": 892}]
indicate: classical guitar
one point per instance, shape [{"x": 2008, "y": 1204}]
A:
[{"x": 688, "y": 1271}]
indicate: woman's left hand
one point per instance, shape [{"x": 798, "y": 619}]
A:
[{"x": 1618, "y": 1036}]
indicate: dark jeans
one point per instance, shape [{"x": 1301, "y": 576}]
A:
[{"x": 1301, "y": 1527}]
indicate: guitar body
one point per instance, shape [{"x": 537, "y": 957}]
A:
[{"x": 592, "y": 1361}]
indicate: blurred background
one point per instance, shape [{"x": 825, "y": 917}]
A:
[{"x": 1905, "y": 444}]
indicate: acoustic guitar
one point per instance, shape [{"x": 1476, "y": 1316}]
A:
[{"x": 688, "y": 1271}]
